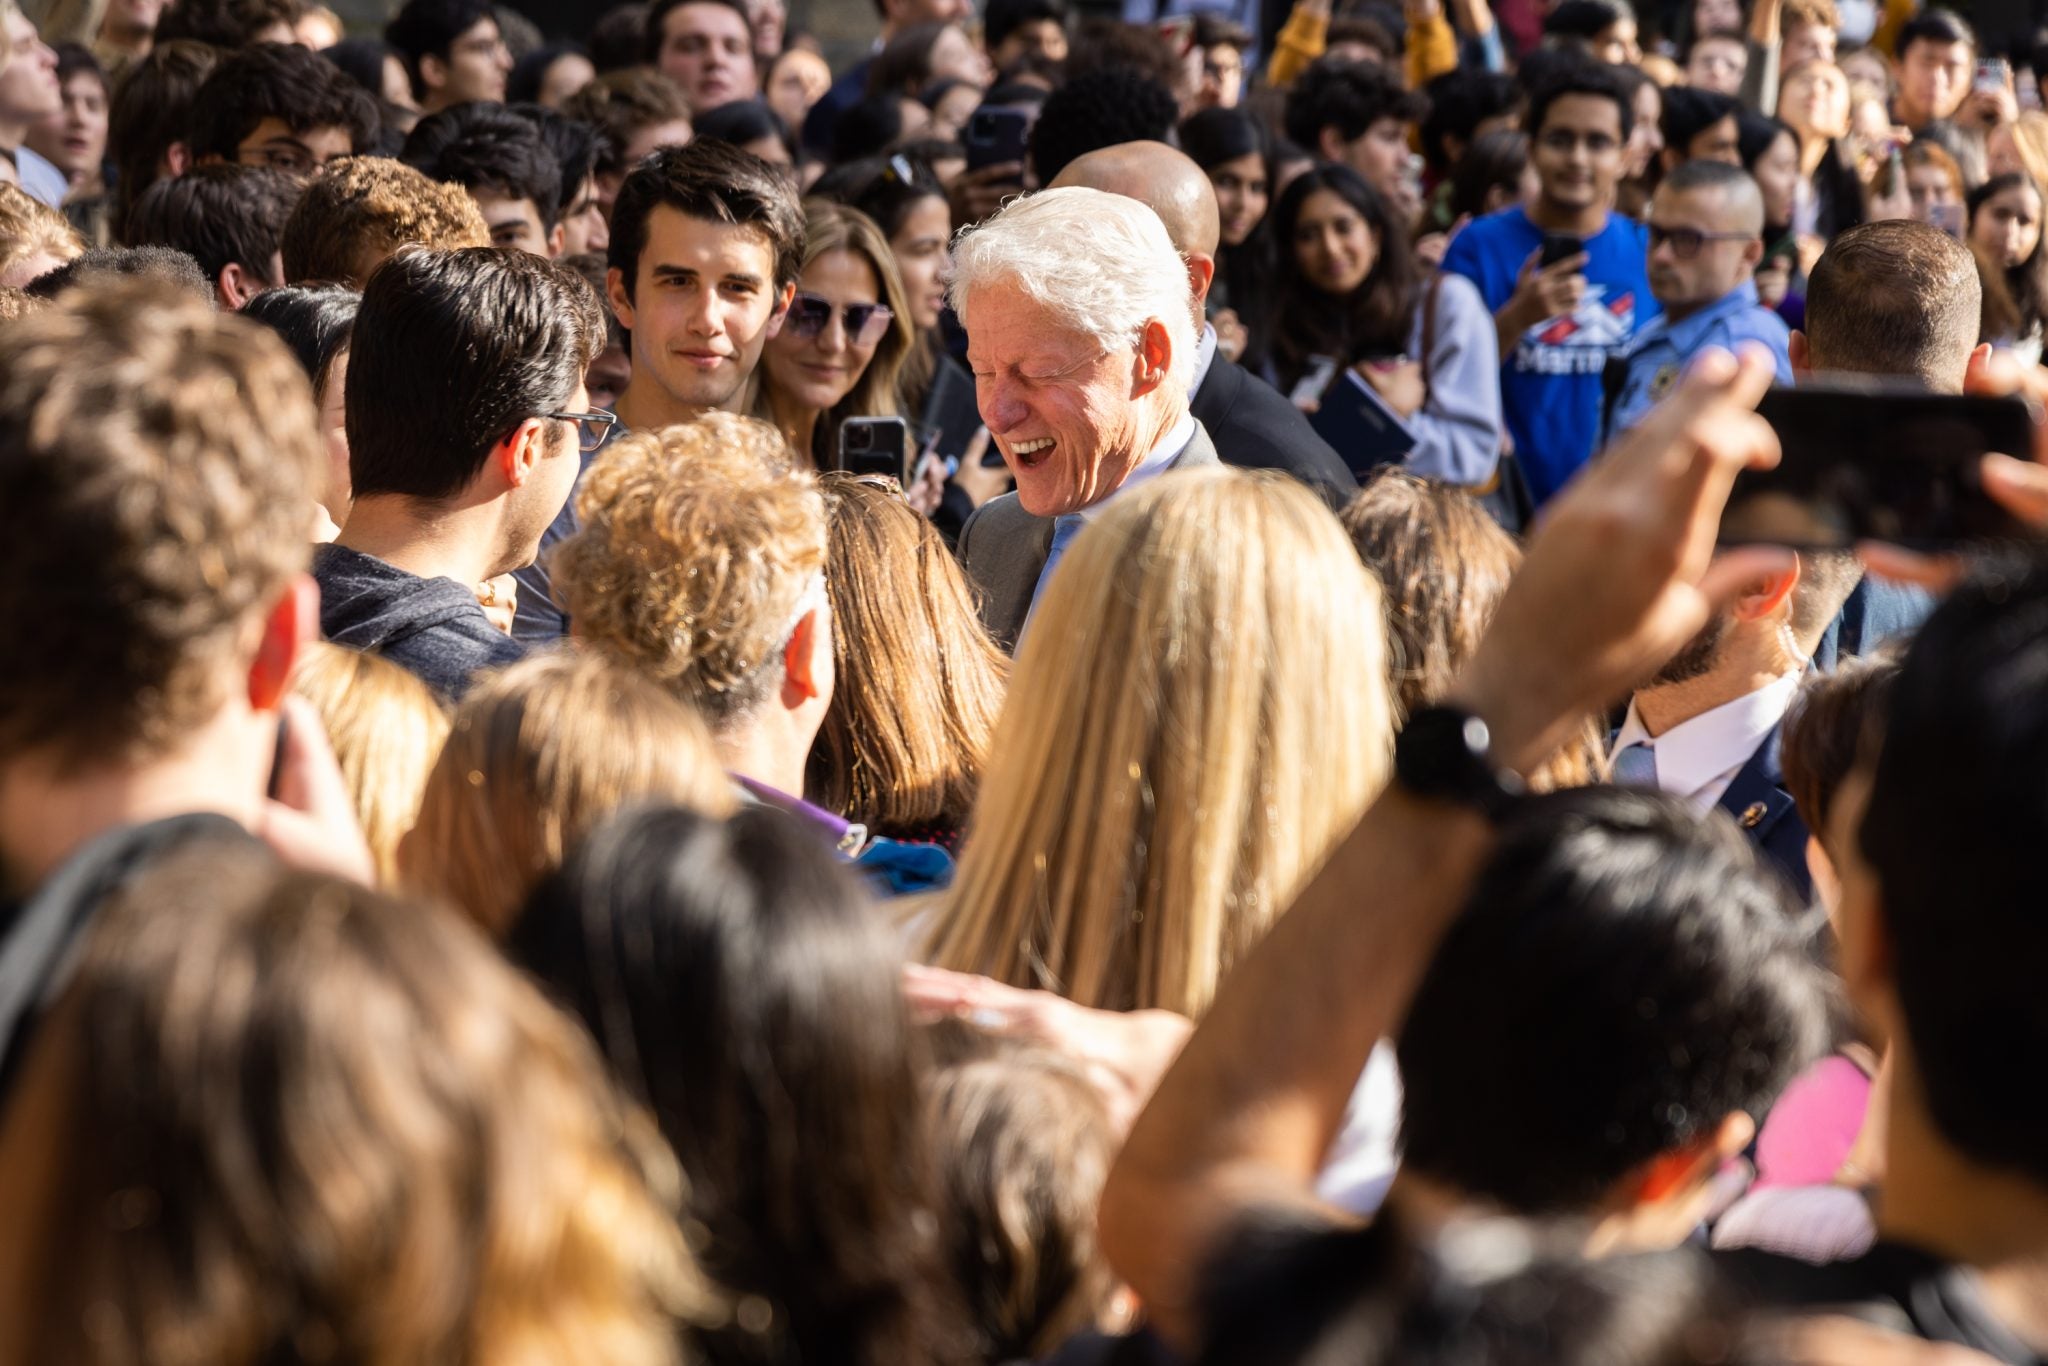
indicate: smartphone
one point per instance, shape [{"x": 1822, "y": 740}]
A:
[
  {"x": 1559, "y": 246},
  {"x": 995, "y": 136},
  {"x": 1878, "y": 460},
  {"x": 875, "y": 445},
  {"x": 1309, "y": 388},
  {"x": 1992, "y": 76}
]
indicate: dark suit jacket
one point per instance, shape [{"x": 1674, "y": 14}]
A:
[
  {"x": 1876, "y": 612},
  {"x": 1760, "y": 805},
  {"x": 1003, "y": 550},
  {"x": 1255, "y": 427}
]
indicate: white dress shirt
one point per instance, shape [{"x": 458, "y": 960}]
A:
[{"x": 1697, "y": 759}]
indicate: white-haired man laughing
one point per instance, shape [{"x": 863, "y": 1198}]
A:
[{"x": 1082, "y": 344}]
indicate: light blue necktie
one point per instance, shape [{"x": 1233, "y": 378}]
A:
[
  {"x": 1064, "y": 529},
  {"x": 1636, "y": 765}
]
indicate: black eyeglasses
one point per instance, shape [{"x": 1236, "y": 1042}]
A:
[
  {"x": 866, "y": 324},
  {"x": 1686, "y": 242},
  {"x": 591, "y": 428}
]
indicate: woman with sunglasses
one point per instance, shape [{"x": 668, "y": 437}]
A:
[
  {"x": 1350, "y": 291},
  {"x": 841, "y": 348}
]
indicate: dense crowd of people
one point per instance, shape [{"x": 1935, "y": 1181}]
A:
[{"x": 1068, "y": 691}]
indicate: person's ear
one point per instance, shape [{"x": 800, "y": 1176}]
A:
[
  {"x": 1680, "y": 1173},
  {"x": 1155, "y": 357},
  {"x": 1330, "y": 142},
  {"x": 177, "y": 159},
  {"x": 1752, "y": 253},
  {"x": 775, "y": 319},
  {"x": 1201, "y": 274},
  {"x": 1801, "y": 358},
  {"x": 235, "y": 287},
  {"x": 1766, "y": 595},
  {"x": 619, "y": 297},
  {"x": 1974, "y": 367},
  {"x": 1672, "y": 160},
  {"x": 293, "y": 623},
  {"x": 433, "y": 73},
  {"x": 807, "y": 659},
  {"x": 557, "y": 235},
  {"x": 521, "y": 450}
]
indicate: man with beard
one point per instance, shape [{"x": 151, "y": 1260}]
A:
[{"x": 1706, "y": 728}]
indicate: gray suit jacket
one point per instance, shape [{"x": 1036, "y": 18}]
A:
[{"x": 1003, "y": 549}]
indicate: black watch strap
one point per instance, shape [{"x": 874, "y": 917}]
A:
[{"x": 1444, "y": 754}]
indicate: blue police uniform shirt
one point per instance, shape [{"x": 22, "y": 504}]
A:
[
  {"x": 1661, "y": 352},
  {"x": 1550, "y": 380}
]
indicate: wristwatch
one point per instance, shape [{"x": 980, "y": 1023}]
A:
[{"x": 1444, "y": 754}]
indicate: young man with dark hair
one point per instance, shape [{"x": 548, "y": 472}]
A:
[
  {"x": 1105, "y": 108},
  {"x": 359, "y": 211},
  {"x": 229, "y": 218},
  {"x": 149, "y": 118},
  {"x": 466, "y": 410},
  {"x": 501, "y": 160},
  {"x": 1015, "y": 29},
  {"x": 282, "y": 107},
  {"x": 1463, "y": 105},
  {"x": 1699, "y": 125},
  {"x": 453, "y": 51},
  {"x": 578, "y": 147},
  {"x": 707, "y": 48},
  {"x": 1629, "y": 1135},
  {"x": 1936, "y": 52},
  {"x": 1560, "y": 321},
  {"x": 706, "y": 243},
  {"x": 1358, "y": 113},
  {"x": 635, "y": 111}
]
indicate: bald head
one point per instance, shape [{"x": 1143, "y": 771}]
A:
[
  {"x": 1722, "y": 192},
  {"x": 1163, "y": 179}
]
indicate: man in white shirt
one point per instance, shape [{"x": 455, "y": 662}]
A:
[
  {"x": 1082, "y": 344},
  {"x": 1705, "y": 729}
]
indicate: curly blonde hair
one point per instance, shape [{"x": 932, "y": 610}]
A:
[
  {"x": 360, "y": 210},
  {"x": 540, "y": 753},
  {"x": 31, "y": 232},
  {"x": 700, "y": 545},
  {"x": 316, "y": 1123}
]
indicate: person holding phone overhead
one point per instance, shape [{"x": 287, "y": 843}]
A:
[
  {"x": 1559, "y": 320},
  {"x": 841, "y": 349},
  {"x": 1350, "y": 288}
]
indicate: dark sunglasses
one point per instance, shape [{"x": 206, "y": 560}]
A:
[
  {"x": 866, "y": 324},
  {"x": 1686, "y": 242}
]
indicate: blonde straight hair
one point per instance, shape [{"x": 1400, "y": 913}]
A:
[
  {"x": 387, "y": 729},
  {"x": 1198, "y": 713},
  {"x": 540, "y": 753}
]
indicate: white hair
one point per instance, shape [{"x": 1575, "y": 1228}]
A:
[{"x": 1101, "y": 263}]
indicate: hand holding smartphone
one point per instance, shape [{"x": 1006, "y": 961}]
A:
[{"x": 1880, "y": 460}]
